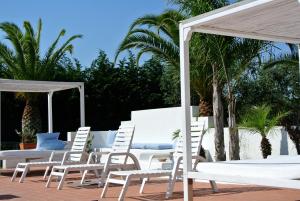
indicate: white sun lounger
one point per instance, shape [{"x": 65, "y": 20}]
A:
[
  {"x": 117, "y": 159},
  {"x": 75, "y": 155},
  {"x": 197, "y": 131},
  {"x": 282, "y": 172}
]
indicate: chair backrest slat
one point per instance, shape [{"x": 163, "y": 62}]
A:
[
  {"x": 197, "y": 132},
  {"x": 123, "y": 142},
  {"x": 79, "y": 143}
]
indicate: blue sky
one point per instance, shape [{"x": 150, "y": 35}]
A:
[{"x": 103, "y": 23}]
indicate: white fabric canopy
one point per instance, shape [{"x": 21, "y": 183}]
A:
[
  {"x": 36, "y": 86},
  {"x": 272, "y": 20},
  {"x": 7, "y": 85}
]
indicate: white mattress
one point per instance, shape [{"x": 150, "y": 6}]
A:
[
  {"x": 23, "y": 154},
  {"x": 287, "y": 167}
]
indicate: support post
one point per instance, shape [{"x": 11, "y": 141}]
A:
[
  {"x": 50, "y": 112},
  {"x": 82, "y": 106},
  {"x": 185, "y": 35}
]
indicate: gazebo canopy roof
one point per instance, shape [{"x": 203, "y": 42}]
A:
[
  {"x": 273, "y": 20},
  {"x": 36, "y": 86}
]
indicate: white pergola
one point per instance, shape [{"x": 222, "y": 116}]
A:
[
  {"x": 271, "y": 20},
  {"x": 48, "y": 87}
]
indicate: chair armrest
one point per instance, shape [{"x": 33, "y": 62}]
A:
[
  {"x": 126, "y": 154},
  {"x": 199, "y": 159}
]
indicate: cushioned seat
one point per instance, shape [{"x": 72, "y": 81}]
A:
[
  {"x": 288, "y": 167},
  {"x": 24, "y": 154}
]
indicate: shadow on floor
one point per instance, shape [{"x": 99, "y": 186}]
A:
[
  {"x": 202, "y": 193},
  {"x": 8, "y": 197}
]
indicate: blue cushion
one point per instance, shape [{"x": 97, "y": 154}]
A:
[
  {"x": 156, "y": 146},
  {"x": 42, "y": 137},
  {"x": 53, "y": 145},
  {"x": 110, "y": 138},
  {"x": 159, "y": 146},
  {"x": 138, "y": 146}
]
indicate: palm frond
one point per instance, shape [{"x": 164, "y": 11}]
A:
[
  {"x": 38, "y": 33},
  {"x": 57, "y": 55},
  {"x": 51, "y": 49},
  {"x": 15, "y": 36},
  {"x": 148, "y": 41},
  {"x": 258, "y": 119}
]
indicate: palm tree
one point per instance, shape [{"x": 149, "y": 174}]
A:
[
  {"x": 213, "y": 64},
  {"x": 23, "y": 61},
  {"x": 162, "y": 39},
  {"x": 229, "y": 57},
  {"x": 234, "y": 56},
  {"x": 258, "y": 120},
  {"x": 159, "y": 35},
  {"x": 213, "y": 60},
  {"x": 289, "y": 61}
]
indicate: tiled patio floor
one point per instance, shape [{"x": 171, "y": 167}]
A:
[{"x": 33, "y": 190}]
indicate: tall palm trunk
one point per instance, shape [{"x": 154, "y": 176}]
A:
[
  {"x": 205, "y": 108},
  {"x": 218, "y": 118},
  {"x": 294, "y": 134},
  {"x": 31, "y": 119},
  {"x": 234, "y": 147}
]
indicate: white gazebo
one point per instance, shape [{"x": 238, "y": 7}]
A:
[
  {"x": 48, "y": 87},
  {"x": 272, "y": 20}
]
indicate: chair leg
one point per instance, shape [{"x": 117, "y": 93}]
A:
[
  {"x": 103, "y": 178},
  {"x": 62, "y": 179},
  {"x": 214, "y": 186},
  {"x": 172, "y": 180},
  {"x": 104, "y": 191},
  {"x": 26, "y": 169},
  {"x": 46, "y": 172},
  {"x": 96, "y": 173},
  {"x": 15, "y": 174},
  {"x": 143, "y": 185},
  {"x": 83, "y": 176},
  {"x": 49, "y": 179},
  {"x": 124, "y": 188}
]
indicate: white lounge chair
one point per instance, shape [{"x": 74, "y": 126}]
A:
[
  {"x": 197, "y": 131},
  {"x": 75, "y": 155},
  {"x": 117, "y": 159}
]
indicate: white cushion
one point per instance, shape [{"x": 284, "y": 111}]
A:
[
  {"x": 22, "y": 154},
  {"x": 278, "y": 167}
]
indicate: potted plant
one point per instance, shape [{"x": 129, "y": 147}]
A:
[
  {"x": 258, "y": 120},
  {"x": 28, "y": 139}
]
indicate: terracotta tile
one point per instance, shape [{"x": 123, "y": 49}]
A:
[{"x": 33, "y": 189}]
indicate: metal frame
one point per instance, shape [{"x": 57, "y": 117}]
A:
[
  {"x": 186, "y": 28},
  {"x": 48, "y": 87}
]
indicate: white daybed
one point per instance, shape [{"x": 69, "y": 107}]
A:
[
  {"x": 24, "y": 154},
  {"x": 10, "y": 158},
  {"x": 274, "y": 172},
  {"x": 271, "y": 20}
]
